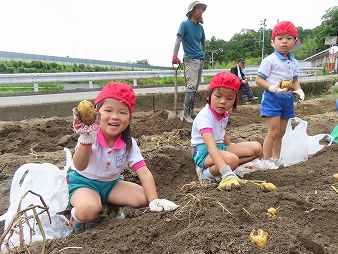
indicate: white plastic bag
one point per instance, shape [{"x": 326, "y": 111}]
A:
[
  {"x": 48, "y": 181},
  {"x": 249, "y": 167},
  {"x": 297, "y": 145}
]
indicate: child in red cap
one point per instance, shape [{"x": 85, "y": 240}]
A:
[
  {"x": 277, "y": 104},
  {"x": 101, "y": 154},
  {"x": 215, "y": 156}
]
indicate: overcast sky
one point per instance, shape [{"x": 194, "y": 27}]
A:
[{"x": 131, "y": 30}]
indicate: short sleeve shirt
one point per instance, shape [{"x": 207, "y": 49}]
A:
[
  {"x": 192, "y": 35},
  {"x": 275, "y": 68},
  {"x": 208, "y": 119},
  {"x": 106, "y": 164}
]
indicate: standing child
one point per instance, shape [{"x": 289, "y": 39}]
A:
[
  {"x": 101, "y": 154},
  {"x": 215, "y": 156},
  {"x": 277, "y": 104}
]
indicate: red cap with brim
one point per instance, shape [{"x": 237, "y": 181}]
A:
[
  {"x": 286, "y": 27},
  {"x": 118, "y": 91},
  {"x": 225, "y": 80}
]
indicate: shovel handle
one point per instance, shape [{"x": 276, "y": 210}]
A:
[{"x": 175, "y": 66}]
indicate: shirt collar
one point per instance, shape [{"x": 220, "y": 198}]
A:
[
  {"x": 218, "y": 116},
  {"x": 282, "y": 57},
  {"x": 119, "y": 143}
]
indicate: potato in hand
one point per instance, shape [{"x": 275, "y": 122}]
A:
[
  {"x": 87, "y": 112},
  {"x": 286, "y": 84}
]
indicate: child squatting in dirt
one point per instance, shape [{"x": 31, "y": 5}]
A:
[
  {"x": 102, "y": 151},
  {"x": 215, "y": 156}
]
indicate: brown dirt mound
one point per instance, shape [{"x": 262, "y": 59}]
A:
[{"x": 208, "y": 220}]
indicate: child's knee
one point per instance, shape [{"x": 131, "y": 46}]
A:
[
  {"x": 88, "y": 212},
  {"x": 258, "y": 149}
]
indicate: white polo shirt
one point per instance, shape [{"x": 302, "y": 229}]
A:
[
  {"x": 275, "y": 68},
  {"x": 207, "y": 120},
  {"x": 106, "y": 164}
]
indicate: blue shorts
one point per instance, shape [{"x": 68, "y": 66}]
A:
[
  {"x": 200, "y": 152},
  {"x": 77, "y": 181},
  {"x": 277, "y": 105}
]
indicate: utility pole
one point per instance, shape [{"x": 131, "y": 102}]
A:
[
  {"x": 264, "y": 25},
  {"x": 212, "y": 57}
]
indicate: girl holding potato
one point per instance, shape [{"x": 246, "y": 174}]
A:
[
  {"x": 215, "y": 156},
  {"x": 104, "y": 148},
  {"x": 278, "y": 76}
]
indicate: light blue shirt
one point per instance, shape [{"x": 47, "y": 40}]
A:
[{"x": 275, "y": 68}]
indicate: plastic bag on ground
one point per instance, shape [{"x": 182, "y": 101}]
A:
[
  {"x": 296, "y": 147},
  {"x": 249, "y": 167},
  {"x": 48, "y": 181}
]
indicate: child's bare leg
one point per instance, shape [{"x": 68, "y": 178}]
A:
[
  {"x": 86, "y": 206},
  {"x": 276, "y": 149},
  {"x": 273, "y": 124},
  {"x": 87, "y": 203},
  {"x": 246, "y": 151},
  {"x": 128, "y": 194},
  {"x": 230, "y": 159}
]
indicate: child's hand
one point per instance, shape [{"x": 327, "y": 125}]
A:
[
  {"x": 300, "y": 94},
  {"x": 87, "y": 132},
  {"x": 276, "y": 89},
  {"x": 159, "y": 205},
  {"x": 230, "y": 181}
]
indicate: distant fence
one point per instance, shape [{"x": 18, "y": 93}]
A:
[
  {"x": 15, "y": 56},
  {"x": 36, "y": 78}
]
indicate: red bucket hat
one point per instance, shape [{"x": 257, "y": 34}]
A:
[
  {"x": 286, "y": 27},
  {"x": 226, "y": 80},
  {"x": 118, "y": 91}
]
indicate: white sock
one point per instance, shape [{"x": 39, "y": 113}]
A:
[
  {"x": 225, "y": 170},
  {"x": 207, "y": 174},
  {"x": 72, "y": 213}
]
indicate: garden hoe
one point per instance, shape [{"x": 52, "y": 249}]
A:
[{"x": 175, "y": 112}]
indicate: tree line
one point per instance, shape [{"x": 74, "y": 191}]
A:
[
  {"x": 248, "y": 43},
  {"x": 36, "y": 66}
]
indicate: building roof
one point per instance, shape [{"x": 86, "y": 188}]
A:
[{"x": 324, "y": 53}]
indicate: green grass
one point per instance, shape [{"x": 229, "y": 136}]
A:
[{"x": 26, "y": 88}]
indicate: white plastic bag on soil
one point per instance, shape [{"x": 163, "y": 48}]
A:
[
  {"x": 48, "y": 181},
  {"x": 296, "y": 147}
]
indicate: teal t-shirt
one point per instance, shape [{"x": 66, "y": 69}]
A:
[{"x": 192, "y": 35}]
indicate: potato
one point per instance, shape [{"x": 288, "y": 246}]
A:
[
  {"x": 154, "y": 139},
  {"x": 259, "y": 237},
  {"x": 272, "y": 211},
  {"x": 286, "y": 84},
  {"x": 87, "y": 112},
  {"x": 267, "y": 187},
  {"x": 335, "y": 176}
]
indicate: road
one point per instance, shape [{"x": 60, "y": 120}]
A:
[{"x": 6, "y": 101}]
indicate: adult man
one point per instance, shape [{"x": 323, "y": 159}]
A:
[
  {"x": 247, "y": 94},
  {"x": 191, "y": 34}
]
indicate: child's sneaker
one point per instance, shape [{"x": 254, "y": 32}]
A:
[
  {"x": 78, "y": 227},
  {"x": 279, "y": 162},
  {"x": 270, "y": 164},
  {"x": 203, "y": 179},
  {"x": 115, "y": 212}
]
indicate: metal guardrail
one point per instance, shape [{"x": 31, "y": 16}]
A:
[{"x": 36, "y": 78}]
